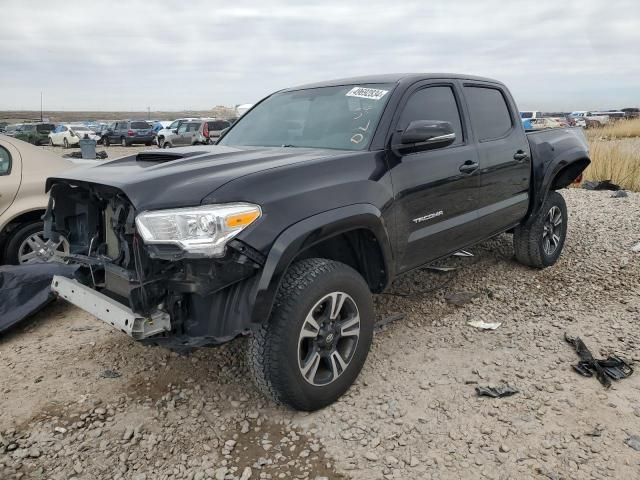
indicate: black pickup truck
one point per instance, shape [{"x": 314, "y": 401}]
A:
[{"x": 316, "y": 198}]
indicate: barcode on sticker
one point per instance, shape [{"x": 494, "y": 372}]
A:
[{"x": 370, "y": 93}]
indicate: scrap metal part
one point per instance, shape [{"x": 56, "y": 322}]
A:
[{"x": 110, "y": 311}]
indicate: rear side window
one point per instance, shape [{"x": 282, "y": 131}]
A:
[
  {"x": 433, "y": 103},
  {"x": 140, "y": 125},
  {"x": 45, "y": 128},
  {"x": 5, "y": 161},
  {"x": 488, "y": 111},
  {"x": 218, "y": 125}
]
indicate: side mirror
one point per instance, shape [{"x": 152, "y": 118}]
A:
[
  {"x": 428, "y": 134},
  {"x": 175, "y": 130}
]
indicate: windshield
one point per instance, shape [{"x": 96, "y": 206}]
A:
[
  {"x": 343, "y": 117},
  {"x": 526, "y": 114}
]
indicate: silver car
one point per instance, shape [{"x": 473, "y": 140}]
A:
[{"x": 196, "y": 132}]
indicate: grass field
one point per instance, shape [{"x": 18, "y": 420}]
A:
[{"x": 615, "y": 154}]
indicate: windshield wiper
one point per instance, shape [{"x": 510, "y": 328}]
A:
[{"x": 288, "y": 145}]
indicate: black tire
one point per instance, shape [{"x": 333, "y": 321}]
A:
[
  {"x": 16, "y": 238},
  {"x": 529, "y": 240},
  {"x": 123, "y": 142},
  {"x": 273, "y": 352},
  {"x": 166, "y": 144},
  {"x": 160, "y": 141},
  {"x": 51, "y": 142},
  {"x": 148, "y": 144},
  {"x": 65, "y": 143},
  {"x": 106, "y": 142}
]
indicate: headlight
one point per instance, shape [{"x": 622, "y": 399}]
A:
[{"x": 204, "y": 230}]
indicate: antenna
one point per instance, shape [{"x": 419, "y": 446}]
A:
[{"x": 41, "y": 106}]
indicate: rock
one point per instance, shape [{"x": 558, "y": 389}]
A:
[
  {"x": 34, "y": 452},
  {"x": 634, "y": 442},
  {"x": 246, "y": 474},
  {"x": 221, "y": 472},
  {"x": 504, "y": 448},
  {"x": 371, "y": 456}
]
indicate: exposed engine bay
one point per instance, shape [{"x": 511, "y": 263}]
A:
[{"x": 194, "y": 291}]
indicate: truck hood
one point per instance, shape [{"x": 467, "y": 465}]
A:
[{"x": 182, "y": 177}]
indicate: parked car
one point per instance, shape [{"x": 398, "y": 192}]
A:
[
  {"x": 68, "y": 135},
  {"x": 159, "y": 125},
  {"x": 589, "y": 119},
  {"x": 162, "y": 134},
  {"x": 35, "y": 133},
  {"x": 11, "y": 130},
  {"x": 542, "y": 123},
  {"x": 314, "y": 199},
  {"x": 129, "y": 132},
  {"x": 198, "y": 132},
  {"x": 24, "y": 169}
]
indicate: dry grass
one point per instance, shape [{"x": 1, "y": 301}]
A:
[
  {"x": 615, "y": 154},
  {"x": 617, "y": 160},
  {"x": 620, "y": 129}
]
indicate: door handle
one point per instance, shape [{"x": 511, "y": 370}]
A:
[
  {"x": 520, "y": 155},
  {"x": 469, "y": 166}
]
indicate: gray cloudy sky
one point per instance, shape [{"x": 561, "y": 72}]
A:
[{"x": 172, "y": 55}]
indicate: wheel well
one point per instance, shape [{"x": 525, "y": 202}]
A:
[
  {"x": 359, "y": 249},
  {"x": 568, "y": 174}
]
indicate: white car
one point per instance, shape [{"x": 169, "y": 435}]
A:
[{"x": 67, "y": 135}]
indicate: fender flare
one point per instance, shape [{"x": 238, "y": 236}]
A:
[
  {"x": 542, "y": 187},
  {"x": 306, "y": 233}
]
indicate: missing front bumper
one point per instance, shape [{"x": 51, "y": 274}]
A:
[{"x": 110, "y": 311}]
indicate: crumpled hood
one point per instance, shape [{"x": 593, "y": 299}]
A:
[{"x": 162, "y": 179}]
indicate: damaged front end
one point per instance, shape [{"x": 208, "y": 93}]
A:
[{"x": 158, "y": 279}]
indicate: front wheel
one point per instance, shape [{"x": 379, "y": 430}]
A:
[
  {"x": 65, "y": 143},
  {"x": 318, "y": 337},
  {"x": 50, "y": 142},
  {"x": 539, "y": 242}
]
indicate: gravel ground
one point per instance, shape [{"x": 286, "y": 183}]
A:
[{"x": 80, "y": 400}]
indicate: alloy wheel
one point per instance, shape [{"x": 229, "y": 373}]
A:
[
  {"x": 35, "y": 248},
  {"x": 552, "y": 230},
  {"x": 328, "y": 338}
]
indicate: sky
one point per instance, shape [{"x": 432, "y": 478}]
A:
[{"x": 176, "y": 55}]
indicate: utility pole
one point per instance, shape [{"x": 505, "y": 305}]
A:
[
  {"x": 41, "y": 106},
  {"x": 148, "y": 113}
]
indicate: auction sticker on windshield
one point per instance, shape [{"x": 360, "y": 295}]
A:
[{"x": 370, "y": 93}]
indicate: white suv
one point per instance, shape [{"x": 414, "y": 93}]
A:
[{"x": 165, "y": 133}]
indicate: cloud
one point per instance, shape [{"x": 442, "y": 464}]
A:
[{"x": 197, "y": 54}]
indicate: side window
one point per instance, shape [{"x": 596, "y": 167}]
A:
[
  {"x": 183, "y": 127},
  {"x": 5, "y": 161},
  {"x": 193, "y": 127},
  {"x": 488, "y": 111},
  {"x": 433, "y": 103}
]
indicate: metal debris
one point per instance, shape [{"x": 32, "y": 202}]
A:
[
  {"x": 482, "y": 325},
  {"x": 497, "y": 392},
  {"x": 611, "y": 368}
]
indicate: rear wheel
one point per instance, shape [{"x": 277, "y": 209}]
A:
[
  {"x": 106, "y": 141},
  {"x": 539, "y": 242},
  {"x": 313, "y": 347},
  {"x": 27, "y": 244},
  {"x": 123, "y": 142}
]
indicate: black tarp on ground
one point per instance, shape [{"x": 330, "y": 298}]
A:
[{"x": 25, "y": 289}]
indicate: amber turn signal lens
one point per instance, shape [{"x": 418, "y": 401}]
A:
[{"x": 241, "y": 219}]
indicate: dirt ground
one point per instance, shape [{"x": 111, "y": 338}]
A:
[{"x": 80, "y": 400}]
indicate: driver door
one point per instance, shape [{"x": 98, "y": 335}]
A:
[{"x": 435, "y": 190}]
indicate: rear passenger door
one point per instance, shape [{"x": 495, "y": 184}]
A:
[
  {"x": 435, "y": 191},
  {"x": 504, "y": 156}
]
